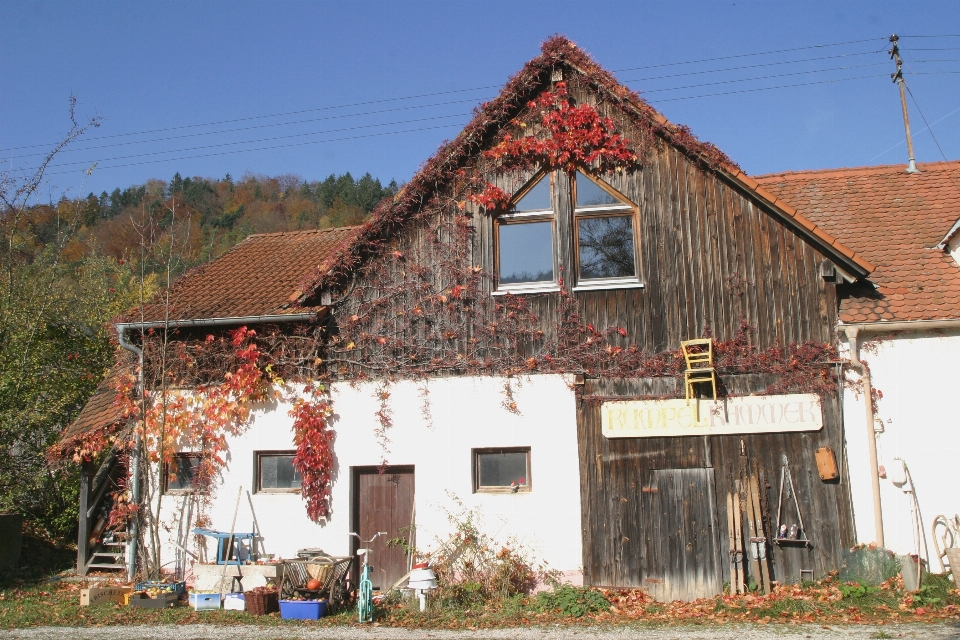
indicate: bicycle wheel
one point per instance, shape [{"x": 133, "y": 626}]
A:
[{"x": 365, "y": 601}]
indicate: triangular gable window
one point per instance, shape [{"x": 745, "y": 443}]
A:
[{"x": 525, "y": 239}]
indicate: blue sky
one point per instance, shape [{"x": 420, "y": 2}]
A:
[{"x": 314, "y": 88}]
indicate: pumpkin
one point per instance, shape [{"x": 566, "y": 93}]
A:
[{"x": 313, "y": 585}]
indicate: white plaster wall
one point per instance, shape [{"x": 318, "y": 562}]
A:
[
  {"x": 916, "y": 374},
  {"x": 466, "y": 413}
]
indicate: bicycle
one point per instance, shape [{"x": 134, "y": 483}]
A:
[{"x": 365, "y": 592}]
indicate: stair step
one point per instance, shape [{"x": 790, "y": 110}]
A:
[
  {"x": 114, "y": 544},
  {"x": 103, "y": 565},
  {"x": 107, "y": 554}
]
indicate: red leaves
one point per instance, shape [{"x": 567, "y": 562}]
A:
[
  {"x": 579, "y": 137},
  {"x": 314, "y": 458},
  {"x": 491, "y": 198}
]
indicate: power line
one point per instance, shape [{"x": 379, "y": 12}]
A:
[
  {"x": 259, "y": 126},
  {"x": 440, "y": 93},
  {"x": 748, "y": 55},
  {"x": 756, "y": 66},
  {"x": 918, "y": 132},
  {"x": 280, "y": 146},
  {"x": 783, "y": 86},
  {"x": 779, "y": 75},
  {"x": 228, "y": 144}
]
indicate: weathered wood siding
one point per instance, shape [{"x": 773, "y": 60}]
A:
[
  {"x": 624, "y": 533},
  {"x": 709, "y": 255}
]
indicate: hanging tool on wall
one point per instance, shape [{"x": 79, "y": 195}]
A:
[
  {"x": 734, "y": 525},
  {"x": 759, "y": 539},
  {"x": 794, "y": 532},
  {"x": 749, "y": 489}
]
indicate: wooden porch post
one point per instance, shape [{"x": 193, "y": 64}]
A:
[{"x": 83, "y": 535}]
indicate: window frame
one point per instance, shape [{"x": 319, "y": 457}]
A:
[
  {"x": 521, "y": 217},
  {"x": 623, "y": 209},
  {"x": 257, "y": 461},
  {"x": 475, "y": 454},
  {"x": 180, "y": 491},
  {"x": 568, "y": 219}
]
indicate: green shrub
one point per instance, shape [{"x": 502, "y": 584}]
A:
[
  {"x": 572, "y": 601},
  {"x": 857, "y": 591}
]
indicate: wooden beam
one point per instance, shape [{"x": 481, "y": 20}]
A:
[{"x": 83, "y": 534}]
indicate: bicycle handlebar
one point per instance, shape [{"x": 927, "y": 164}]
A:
[{"x": 379, "y": 533}]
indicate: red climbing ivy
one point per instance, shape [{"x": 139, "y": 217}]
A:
[
  {"x": 314, "y": 459},
  {"x": 573, "y": 136}
]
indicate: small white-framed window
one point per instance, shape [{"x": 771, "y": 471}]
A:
[
  {"x": 501, "y": 470},
  {"x": 275, "y": 473},
  {"x": 605, "y": 225},
  {"x": 525, "y": 259},
  {"x": 180, "y": 475}
]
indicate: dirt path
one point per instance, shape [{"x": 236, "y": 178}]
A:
[{"x": 740, "y": 632}]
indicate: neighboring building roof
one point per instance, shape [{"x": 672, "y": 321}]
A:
[
  {"x": 100, "y": 412},
  {"x": 261, "y": 276},
  {"x": 560, "y": 53},
  {"x": 895, "y": 220}
]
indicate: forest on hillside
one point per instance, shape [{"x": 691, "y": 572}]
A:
[
  {"x": 69, "y": 268},
  {"x": 219, "y": 213}
]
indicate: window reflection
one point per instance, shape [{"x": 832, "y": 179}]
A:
[
  {"x": 606, "y": 247},
  {"x": 526, "y": 252}
]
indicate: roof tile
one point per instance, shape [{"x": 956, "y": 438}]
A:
[
  {"x": 894, "y": 220},
  {"x": 260, "y": 276}
]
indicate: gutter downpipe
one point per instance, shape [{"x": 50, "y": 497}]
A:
[
  {"x": 122, "y": 328},
  {"x": 852, "y": 332},
  {"x": 135, "y": 463}
]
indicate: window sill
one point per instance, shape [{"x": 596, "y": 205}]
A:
[
  {"x": 602, "y": 285},
  {"x": 277, "y": 491},
  {"x": 551, "y": 287},
  {"x": 502, "y": 490}
]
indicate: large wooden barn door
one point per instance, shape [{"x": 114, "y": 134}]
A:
[
  {"x": 384, "y": 502},
  {"x": 681, "y": 560}
]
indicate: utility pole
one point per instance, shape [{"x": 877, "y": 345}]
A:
[{"x": 898, "y": 78}]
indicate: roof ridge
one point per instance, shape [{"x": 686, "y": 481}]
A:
[
  {"x": 298, "y": 231},
  {"x": 863, "y": 170}
]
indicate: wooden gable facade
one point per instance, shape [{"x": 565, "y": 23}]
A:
[{"x": 420, "y": 293}]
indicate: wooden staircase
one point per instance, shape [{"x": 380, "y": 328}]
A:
[
  {"x": 109, "y": 556},
  {"x": 93, "y": 553}
]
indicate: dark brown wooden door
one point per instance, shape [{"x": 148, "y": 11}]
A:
[
  {"x": 682, "y": 560},
  {"x": 384, "y": 502}
]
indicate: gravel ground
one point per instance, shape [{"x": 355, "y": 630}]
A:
[{"x": 745, "y": 632}]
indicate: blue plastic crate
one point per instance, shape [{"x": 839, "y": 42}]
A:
[{"x": 303, "y": 609}]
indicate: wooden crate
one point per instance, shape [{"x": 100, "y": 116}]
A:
[{"x": 99, "y": 595}]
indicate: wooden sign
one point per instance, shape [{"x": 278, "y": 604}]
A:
[
  {"x": 99, "y": 595},
  {"x": 738, "y": 415}
]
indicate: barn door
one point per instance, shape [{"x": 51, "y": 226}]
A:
[
  {"x": 384, "y": 502},
  {"x": 682, "y": 559}
]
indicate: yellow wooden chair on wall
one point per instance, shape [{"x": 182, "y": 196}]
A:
[{"x": 698, "y": 354}]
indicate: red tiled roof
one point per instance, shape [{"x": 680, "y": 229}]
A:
[
  {"x": 895, "y": 220},
  {"x": 262, "y": 275},
  {"x": 100, "y": 412}
]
